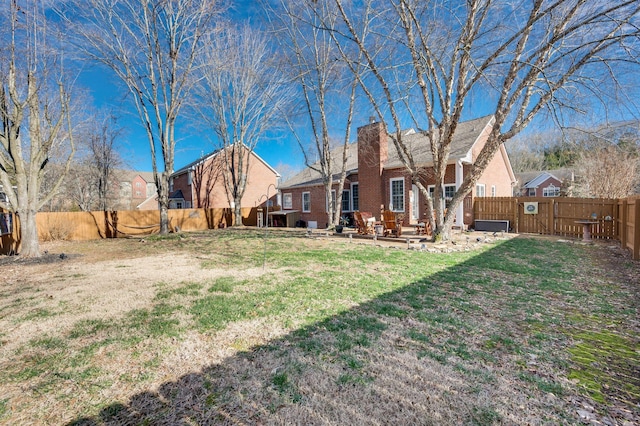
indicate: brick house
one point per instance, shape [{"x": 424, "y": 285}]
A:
[
  {"x": 136, "y": 188},
  {"x": 375, "y": 176},
  {"x": 551, "y": 183},
  {"x": 200, "y": 184}
]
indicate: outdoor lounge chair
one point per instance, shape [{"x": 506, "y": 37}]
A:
[
  {"x": 362, "y": 223},
  {"x": 391, "y": 224}
]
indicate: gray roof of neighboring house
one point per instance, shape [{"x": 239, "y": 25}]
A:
[
  {"x": 466, "y": 135},
  {"x": 129, "y": 175},
  {"x": 535, "y": 178}
]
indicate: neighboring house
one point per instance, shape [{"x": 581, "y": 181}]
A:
[
  {"x": 551, "y": 183},
  {"x": 200, "y": 184},
  {"x": 135, "y": 189},
  {"x": 375, "y": 176}
]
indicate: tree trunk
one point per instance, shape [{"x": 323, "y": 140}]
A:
[
  {"x": 29, "y": 244},
  {"x": 237, "y": 214},
  {"x": 163, "y": 201}
]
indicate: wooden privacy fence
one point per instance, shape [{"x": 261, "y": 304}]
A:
[
  {"x": 79, "y": 226},
  {"x": 615, "y": 219}
]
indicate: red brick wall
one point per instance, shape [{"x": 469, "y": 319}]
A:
[
  {"x": 372, "y": 154},
  {"x": 138, "y": 189},
  {"x": 181, "y": 182},
  {"x": 318, "y": 209},
  {"x": 496, "y": 173},
  {"x": 260, "y": 178}
]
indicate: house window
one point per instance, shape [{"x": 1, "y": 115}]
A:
[
  {"x": 187, "y": 204},
  {"x": 189, "y": 177},
  {"x": 178, "y": 204},
  {"x": 346, "y": 197},
  {"x": 480, "y": 188},
  {"x": 138, "y": 194},
  {"x": 355, "y": 202},
  {"x": 287, "y": 201},
  {"x": 333, "y": 200},
  {"x": 171, "y": 185},
  {"x": 531, "y": 192},
  {"x": 493, "y": 190},
  {"x": 397, "y": 195},
  {"x": 449, "y": 192},
  {"x": 306, "y": 202},
  {"x": 137, "y": 184},
  {"x": 551, "y": 191}
]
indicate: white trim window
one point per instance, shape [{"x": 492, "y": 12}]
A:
[
  {"x": 306, "y": 202},
  {"x": 480, "y": 190},
  {"x": 287, "y": 201},
  {"x": 531, "y": 192},
  {"x": 551, "y": 191},
  {"x": 355, "y": 196},
  {"x": 493, "y": 190},
  {"x": 333, "y": 199},
  {"x": 346, "y": 200},
  {"x": 448, "y": 192},
  {"x": 396, "y": 187}
]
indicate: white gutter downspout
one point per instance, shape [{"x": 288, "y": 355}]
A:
[{"x": 459, "y": 179}]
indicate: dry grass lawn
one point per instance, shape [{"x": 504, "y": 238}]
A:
[{"x": 196, "y": 329}]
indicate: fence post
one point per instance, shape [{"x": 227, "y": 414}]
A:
[
  {"x": 516, "y": 215},
  {"x": 622, "y": 227},
  {"x": 551, "y": 218},
  {"x": 636, "y": 231}
]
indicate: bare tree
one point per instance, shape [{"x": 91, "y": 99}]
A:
[
  {"x": 34, "y": 118},
  {"x": 242, "y": 95},
  {"x": 152, "y": 47},
  {"x": 429, "y": 60},
  {"x": 608, "y": 161},
  {"x": 327, "y": 89},
  {"x": 104, "y": 158},
  {"x": 607, "y": 172},
  {"x": 526, "y": 152}
]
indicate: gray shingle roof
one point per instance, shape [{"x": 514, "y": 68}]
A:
[
  {"x": 535, "y": 178},
  {"x": 466, "y": 135}
]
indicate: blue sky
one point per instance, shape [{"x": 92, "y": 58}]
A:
[
  {"x": 282, "y": 151},
  {"x": 107, "y": 92}
]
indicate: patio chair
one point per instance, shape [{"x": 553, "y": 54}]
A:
[
  {"x": 391, "y": 224},
  {"x": 362, "y": 223}
]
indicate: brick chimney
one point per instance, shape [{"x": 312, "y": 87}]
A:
[{"x": 372, "y": 155}]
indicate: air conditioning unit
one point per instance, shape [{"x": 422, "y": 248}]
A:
[{"x": 491, "y": 225}]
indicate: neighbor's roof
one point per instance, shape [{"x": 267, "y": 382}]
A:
[
  {"x": 311, "y": 175},
  {"x": 129, "y": 175},
  {"x": 535, "y": 179},
  {"x": 466, "y": 136},
  {"x": 213, "y": 154},
  {"x": 177, "y": 195}
]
